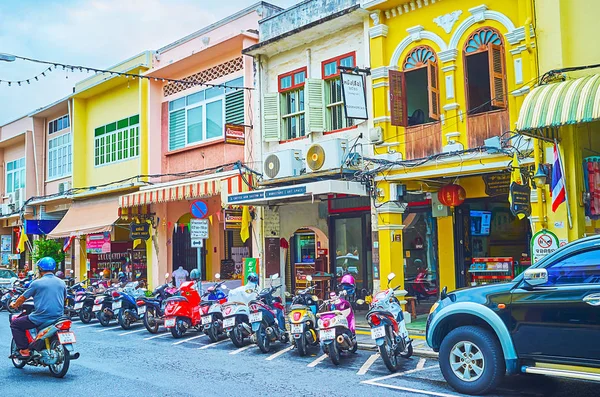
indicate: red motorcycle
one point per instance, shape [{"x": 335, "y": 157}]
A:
[
  {"x": 422, "y": 287},
  {"x": 185, "y": 311}
]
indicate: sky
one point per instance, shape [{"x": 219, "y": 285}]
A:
[{"x": 95, "y": 33}]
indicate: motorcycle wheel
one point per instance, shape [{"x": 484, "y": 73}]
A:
[
  {"x": 236, "y": 336},
  {"x": 408, "y": 352},
  {"x": 179, "y": 329},
  {"x": 301, "y": 345},
  {"x": 388, "y": 355},
  {"x": 18, "y": 363},
  {"x": 60, "y": 369},
  {"x": 124, "y": 320},
  {"x": 262, "y": 339},
  {"x": 85, "y": 314},
  {"x": 213, "y": 333},
  {"x": 103, "y": 318},
  {"x": 355, "y": 347},
  {"x": 150, "y": 321},
  {"x": 334, "y": 353}
]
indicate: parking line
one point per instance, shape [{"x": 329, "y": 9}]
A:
[
  {"x": 158, "y": 336},
  {"x": 400, "y": 374},
  {"x": 421, "y": 363},
  {"x": 409, "y": 389},
  {"x": 188, "y": 339},
  {"x": 241, "y": 349},
  {"x": 317, "y": 361},
  {"x": 370, "y": 361},
  {"x": 279, "y": 353},
  {"x": 213, "y": 344},
  {"x": 88, "y": 325},
  {"x": 132, "y": 332},
  {"x": 109, "y": 328}
]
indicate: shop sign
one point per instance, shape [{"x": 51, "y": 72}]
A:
[
  {"x": 497, "y": 184},
  {"x": 139, "y": 231},
  {"x": 267, "y": 194},
  {"x": 521, "y": 199},
  {"x": 6, "y": 243},
  {"x": 355, "y": 95},
  {"x": 250, "y": 266},
  {"x": 198, "y": 229},
  {"x": 543, "y": 243},
  {"x": 233, "y": 220},
  {"x": 98, "y": 243},
  {"x": 199, "y": 209},
  {"x": 197, "y": 243},
  {"x": 235, "y": 134}
]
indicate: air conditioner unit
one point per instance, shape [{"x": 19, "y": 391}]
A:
[
  {"x": 283, "y": 164},
  {"x": 12, "y": 197},
  {"x": 376, "y": 135},
  {"x": 4, "y": 209},
  {"x": 327, "y": 155},
  {"x": 64, "y": 187}
]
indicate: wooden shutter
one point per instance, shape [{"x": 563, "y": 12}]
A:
[
  {"x": 271, "y": 123},
  {"x": 497, "y": 76},
  {"x": 398, "y": 98},
  {"x": 315, "y": 110},
  {"x": 434, "y": 90}
]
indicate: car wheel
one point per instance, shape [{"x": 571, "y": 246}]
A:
[{"x": 471, "y": 360}]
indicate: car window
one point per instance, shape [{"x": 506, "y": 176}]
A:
[
  {"x": 580, "y": 268},
  {"x": 6, "y": 273}
]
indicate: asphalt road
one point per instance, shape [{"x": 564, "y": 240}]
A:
[{"x": 136, "y": 363}]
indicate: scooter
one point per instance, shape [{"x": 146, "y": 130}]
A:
[
  {"x": 212, "y": 321},
  {"x": 348, "y": 284},
  {"x": 87, "y": 301},
  {"x": 73, "y": 301},
  {"x": 103, "y": 306},
  {"x": 153, "y": 309},
  {"x": 422, "y": 287},
  {"x": 51, "y": 345},
  {"x": 184, "y": 311},
  {"x": 267, "y": 318},
  {"x": 302, "y": 319},
  {"x": 337, "y": 327},
  {"x": 388, "y": 327},
  {"x": 235, "y": 313},
  {"x": 124, "y": 305}
]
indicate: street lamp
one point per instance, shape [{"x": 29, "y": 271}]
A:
[
  {"x": 7, "y": 58},
  {"x": 540, "y": 176}
]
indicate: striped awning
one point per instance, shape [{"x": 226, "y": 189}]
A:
[
  {"x": 554, "y": 105},
  {"x": 232, "y": 182}
]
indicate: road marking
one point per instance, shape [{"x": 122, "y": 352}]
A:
[
  {"x": 317, "y": 361},
  {"x": 279, "y": 353},
  {"x": 188, "y": 339},
  {"x": 158, "y": 336},
  {"x": 241, "y": 349},
  {"x": 132, "y": 332},
  {"x": 400, "y": 374},
  {"x": 370, "y": 361},
  {"x": 214, "y": 344},
  {"x": 109, "y": 328},
  {"x": 360, "y": 332},
  {"x": 409, "y": 389},
  {"x": 421, "y": 364},
  {"x": 89, "y": 325}
]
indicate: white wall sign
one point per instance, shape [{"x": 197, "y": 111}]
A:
[
  {"x": 198, "y": 229},
  {"x": 197, "y": 243},
  {"x": 543, "y": 243},
  {"x": 355, "y": 96}
]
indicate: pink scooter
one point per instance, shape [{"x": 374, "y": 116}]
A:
[{"x": 337, "y": 327}]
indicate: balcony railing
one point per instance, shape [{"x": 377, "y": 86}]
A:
[
  {"x": 423, "y": 140},
  {"x": 486, "y": 125}
]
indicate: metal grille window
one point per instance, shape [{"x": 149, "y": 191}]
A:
[
  {"x": 60, "y": 156},
  {"x": 15, "y": 175},
  {"x": 291, "y": 87},
  {"x": 334, "y": 103},
  {"x": 117, "y": 141}
]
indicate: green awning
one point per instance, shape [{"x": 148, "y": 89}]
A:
[{"x": 554, "y": 105}]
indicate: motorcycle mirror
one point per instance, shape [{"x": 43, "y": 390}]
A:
[
  {"x": 309, "y": 278},
  {"x": 224, "y": 286},
  {"x": 287, "y": 294},
  {"x": 217, "y": 276},
  {"x": 166, "y": 276},
  {"x": 360, "y": 302},
  {"x": 275, "y": 276},
  {"x": 391, "y": 276}
]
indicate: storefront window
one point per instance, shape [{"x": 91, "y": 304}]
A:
[{"x": 349, "y": 248}]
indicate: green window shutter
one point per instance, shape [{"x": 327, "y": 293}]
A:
[
  {"x": 271, "y": 124},
  {"x": 176, "y": 129},
  {"x": 234, "y": 108},
  {"x": 315, "y": 110}
]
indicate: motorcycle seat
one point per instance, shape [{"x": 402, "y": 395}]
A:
[
  {"x": 52, "y": 322},
  {"x": 298, "y": 307}
]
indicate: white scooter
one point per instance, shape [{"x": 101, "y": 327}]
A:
[{"x": 236, "y": 313}]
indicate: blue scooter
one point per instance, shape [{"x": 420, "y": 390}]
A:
[
  {"x": 125, "y": 304},
  {"x": 153, "y": 309}
]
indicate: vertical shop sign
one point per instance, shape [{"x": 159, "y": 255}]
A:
[
  {"x": 543, "y": 243},
  {"x": 250, "y": 266}
]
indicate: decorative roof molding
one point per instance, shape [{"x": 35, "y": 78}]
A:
[
  {"x": 380, "y": 84},
  {"x": 449, "y": 55},
  {"x": 405, "y": 8},
  {"x": 447, "y": 21},
  {"x": 378, "y": 31},
  {"x": 480, "y": 14},
  {"x": 449, "y": 68},
  {"x": 379, "y": 73},
  {"x": 416, "y": 33}
]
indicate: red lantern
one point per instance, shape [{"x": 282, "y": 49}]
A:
[{"x": 452, "y": 195}]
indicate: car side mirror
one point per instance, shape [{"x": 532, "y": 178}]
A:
[{"x": 535, "y": 277}]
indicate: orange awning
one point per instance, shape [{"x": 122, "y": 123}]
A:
[{"x": 88, "y": 217}]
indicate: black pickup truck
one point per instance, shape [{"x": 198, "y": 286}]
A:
[{"x": 546, "y": 321}]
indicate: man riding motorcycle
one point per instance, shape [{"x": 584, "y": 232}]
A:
[{"x": 48, "y": 293}]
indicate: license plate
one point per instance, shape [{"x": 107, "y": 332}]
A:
[
  {"x": 255, "y": 317},
  {"x": 377, "y": 333},
  {"x": 78, "y": 305},
  {"x": 141, "y": 310},
  {"x": 296, "y": 328},
  {"x": 66, "y": 338},
  {"x": 117, "y": 305},
  {"x": 229, "y": 322},
  {"x": 206, "y": 320},
  {"x": 169, "y": 323},
  {"x": 96, "y": 308},
  {"x": 327, "y": 334}
]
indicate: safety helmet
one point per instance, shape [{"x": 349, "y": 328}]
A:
[
  {"x": 60, "y": 274},
  {"x": 253, "y": 278},
  {"x": 122, "y": 277},
  {"x": 195, "y": 275},
  {"x": 106, "y": 273},
  {"x": 46, "y": 264}
]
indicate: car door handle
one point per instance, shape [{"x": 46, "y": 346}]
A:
[{"x": 593, "y": 299}]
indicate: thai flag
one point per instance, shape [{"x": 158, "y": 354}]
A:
[
  {"x": 67, "y": 244},
  {"x": 558, "y": 181}
]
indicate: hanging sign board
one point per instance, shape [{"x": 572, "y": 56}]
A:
[
  {"x": 98, "y": 243},
  {"x": 198, "y": 229},
  {"x": 139, "y": 231},
  {"x": 521, "y": 199},
  {"x": 235, "y": 134},
  {"x": 543, "y": 243},
  {"x": 355, "y": 95},
  {"x": 197, "y": 243},
  {"x": 496, "y": 184},
  {"x": 233, "y": 220}
]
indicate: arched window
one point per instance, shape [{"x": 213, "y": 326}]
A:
[
  {"x": 415, "y": 92},
  {"x": 485, "y": 71}
]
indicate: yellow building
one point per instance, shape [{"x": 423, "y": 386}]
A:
[
  {"x": 110, "y": 134},
  {"x": 449, "y": 78}
]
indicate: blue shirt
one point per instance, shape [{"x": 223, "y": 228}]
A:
[{"x": 48, "y": 293}]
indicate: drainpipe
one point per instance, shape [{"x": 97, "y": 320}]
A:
[{"x": 308, "y": 68}]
